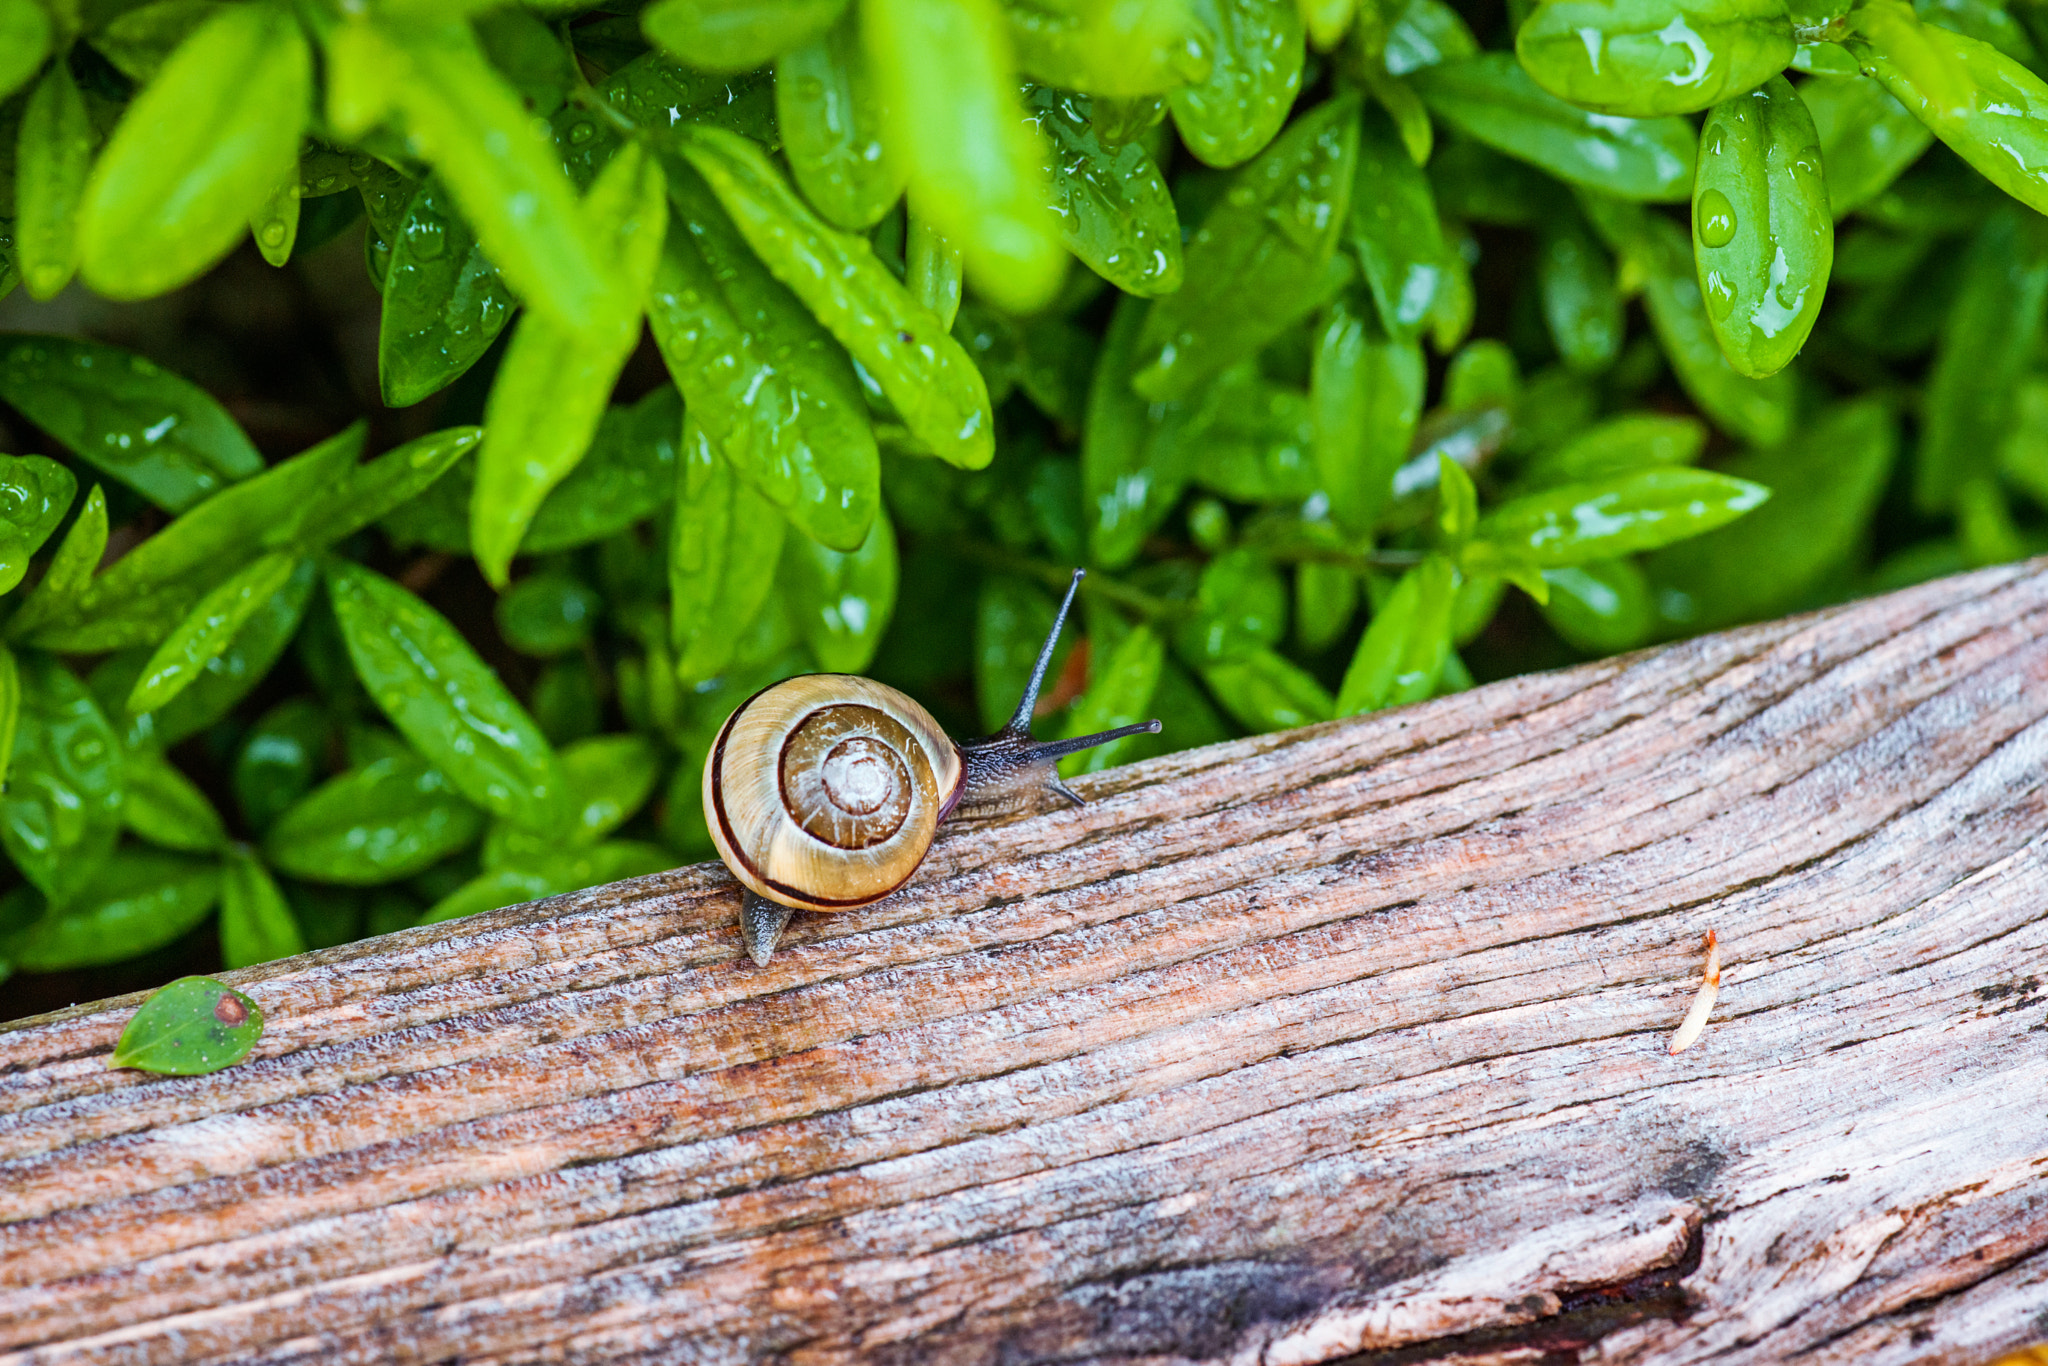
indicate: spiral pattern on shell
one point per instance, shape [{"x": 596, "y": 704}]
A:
[{"x": 824, "y": 792}]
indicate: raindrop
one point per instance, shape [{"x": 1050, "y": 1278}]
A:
[
  {"x": 427, "y": 238},
  {"x": 273, "y": 234},
  {"x": 1716, "y": 219},
  {"x": 582, "y": 133},
  {"x": 1720, "y": 295}
]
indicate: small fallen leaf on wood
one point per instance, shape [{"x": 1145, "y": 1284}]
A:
[
  {"x": 193, "y": 1026},
  {"x": 1702, "y": 1004}
]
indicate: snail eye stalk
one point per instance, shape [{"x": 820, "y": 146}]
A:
[{"x": 1007, "y": 770}]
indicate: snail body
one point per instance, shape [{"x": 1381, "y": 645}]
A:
[{"x": 824, "y": 792}]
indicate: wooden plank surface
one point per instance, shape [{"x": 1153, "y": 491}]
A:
[{"x": 1345, "y": 1041}]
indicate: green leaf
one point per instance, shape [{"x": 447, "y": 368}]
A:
[
  {"x": 1987, "y": 107},
  {"x": 1256, "y": 50},
  {"x": 385, "y": 194},
  {"x": 444, "y": 699},
  {"x": 62, "y": 808},
  {"x": 842, "y": 602},
  {"x": 1365, "y": 392},
  {"x": 736, "y": 35},
  {"x": 1581, "y": 304},
  {"x": 1241, "y": 608},
  {"x": 132, "y": 901},
  {"x": 143, "y": 595},
  {"x": 831, "y": 123},
  {"x": 159, "y": 434},
  {"x": 926, "y": 376},
  {"x": 384, "y": 821},
  {"x": 1986, "y": 342},
  {"x": 24, "y": 42},
  {"x": 1457, "y": 500},
  {"x": 10, "y": 709},
  {"x": 166, "y": 808},
  {"x": 1648, "y": 57},
  {"x": 1121, "y": 681},
  {"x": 444, "y": 302},
  {"x": 1825, "y": 486},
  {"x": 70, "y": 570},
  {"x": 1112, "y": 48},
  {"x": 1578, "y": 523},
  {"x": 1265, "y": 691},
  {"x": 1131, "y": 474},
  {"x": 279, "y": 758},
  {"x": 1866, "y": 138},
  {"x": 1603, "y": 608},
  {"x": 1394, "y": 229},
  {"x": 1423, "y": 33},
  {"x": 627, "y": 475},
  {"x": 1401, "y": 655},
  {"x": 724, "y": 545},
  {"x": 975, "y": 167},
  {"x": 1759, "y": 411},
  {"x": 1621, "y": 445},
  {"x": 933, "y": 269},
  {"x": 1491, "y": 98},
  {"x": 1325, "y": 598},
  {"x": 139, "y": 41},
  {"x": 502, "y": 168},
  {"x": 1114, "y": 209},
  {"x": 1762, "y": 234},
  {"x": 191, "y": 1027},
  {"x": 549, "y": 874},
  {"x": 275, "y": 224},
  {"x": 232, "y": 674},
  {"x": 762, "y": 378},
  {"x": 208, "y": 629},
  {"x": 551, "y": 392},
  {"x": 1249, "y": 439},
  {"x": 35, "y": 493},
  {"x": 56, "y": 144},
  {"x": 656, "y": 95},
  {"x": 1258, "y": 262},
  {"x": 256, "y": 924},
  {"x": 610, "y": 778},
  {"x": 196, "y": 155},
  {"x": 547, "y": 614}
]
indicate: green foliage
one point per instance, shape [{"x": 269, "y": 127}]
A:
[
  {"x": 1358, "y": 347},
  {"x": 192, "y": 1026}
]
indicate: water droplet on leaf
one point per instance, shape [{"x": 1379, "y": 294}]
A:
[{"x": 1715, "y": 219}]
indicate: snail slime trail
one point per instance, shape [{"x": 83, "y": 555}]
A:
[{"x": 824, "y": 792}]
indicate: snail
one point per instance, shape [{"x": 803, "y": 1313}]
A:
[{"x": 824, "y": 792}]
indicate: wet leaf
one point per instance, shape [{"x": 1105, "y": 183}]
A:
[
  {"x": 1494, "y": 100},
  {"x": 444, "y": 302},
  {"x": 61, "y": 811},
  {"x": 446, "y": 701},
  {"x": 831, "y": 123},
  {"x": 193, "y": 1026},
  {"x": 1256, "y": 52},
  {"x": 155, "y": 432},
  {"x": 195, "y": 156},
  {"x": 165, "y": 807},
  {"x": 1265, "y": 691},
  {"x": 133, "y": 900},
  {"x": 1401, "y": 655},
  {"x": 55, "y": 152},
  {"x": 762, "y": 378},
  {"x": 926, "y": 376},
  {"x": 256, "y": 923},
  {"x": 725, "y": 543},
  {"x": 1642, "y": 58},
  {"x": 378, "y": 823},
  {"x": 1258, "y": 261},
  {"x": 841, "y": 601},
  {"x": 736, "y": 35},
  {"x": 1114, "y": 209}
]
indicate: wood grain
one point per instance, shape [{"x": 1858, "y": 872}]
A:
[{"x": 1345, "y": 1041}]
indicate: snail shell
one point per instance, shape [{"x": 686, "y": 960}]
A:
[{"x": 824, "y": 791}]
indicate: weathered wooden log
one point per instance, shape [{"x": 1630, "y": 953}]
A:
[{"x": 1349, "y": 1040}]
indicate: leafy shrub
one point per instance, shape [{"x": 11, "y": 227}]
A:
[{"x": 1352, "y": 335}]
